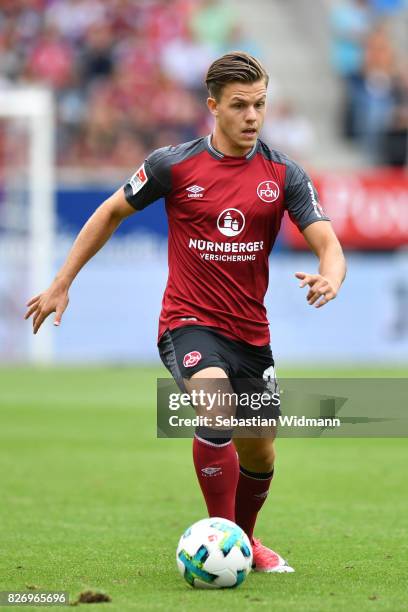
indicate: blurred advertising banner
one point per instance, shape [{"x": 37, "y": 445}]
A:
[
  {"x": 369, "y": 210},
  {"x": 115, "y": 305},
  {"x": 116, "y": 299}
]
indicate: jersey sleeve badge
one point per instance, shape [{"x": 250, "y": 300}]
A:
[{"x": 138, "y": 180}]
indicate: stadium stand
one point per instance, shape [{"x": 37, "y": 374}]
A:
[
  {"x": 309, "y": 57},
  {"x": 128, "y": 74}
]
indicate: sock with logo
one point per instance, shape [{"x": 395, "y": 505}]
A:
[
  {"x": 252, "y": 491},
  {"x": 217, "y": 469}
]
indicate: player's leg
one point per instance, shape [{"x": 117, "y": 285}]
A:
[
  {"x": 215, "y": 457},
  {"x": 256, "y": 467},
  {"x": 257, "y": 454},
  {"x": 256, "y": 459},
  {"x": 193, "y": 356}
]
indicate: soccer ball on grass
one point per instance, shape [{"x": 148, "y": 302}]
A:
[{"x": 214, "y": 553}]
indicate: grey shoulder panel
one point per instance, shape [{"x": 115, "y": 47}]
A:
[
  {"x": 302, "y": 199},
  {"x": 152, "y": 180},
  {"x": 272, "y": 155},
  {"x": 161, "y": 160}
]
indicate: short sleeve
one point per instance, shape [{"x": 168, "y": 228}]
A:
[
  {"x": 150, "y": 182},
  {"x": 301, "y": 198}
]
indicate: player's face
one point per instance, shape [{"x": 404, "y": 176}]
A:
[{"x": 239, "y": 116}]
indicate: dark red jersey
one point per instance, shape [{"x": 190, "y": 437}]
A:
[{"x": 224, "y": 215}]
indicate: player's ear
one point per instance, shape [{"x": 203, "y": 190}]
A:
[{"x": 212, "y": 106}]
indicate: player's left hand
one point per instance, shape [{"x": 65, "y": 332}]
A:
[{"x": 321, "y": 289}]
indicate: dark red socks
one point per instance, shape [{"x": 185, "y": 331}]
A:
[
  {"x": 217, "y": 471},
  {"x": 230, "y": 491},
  {"x": 252, "y": 491}
]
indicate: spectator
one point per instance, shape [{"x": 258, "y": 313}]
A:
[
  {"x": 237, "y": 39},
  {"x": 166, "y": 20},
  {"x": 30, "y": 21},
  {"x": 374, "y": 113},
  {"x": 127, "y": 150},
  {"x": 96, "y": 58},
  {"x": 72, "y": 18},
  {"x": 287, "y": 130},
  {"x": 12, "y": 56},
  {"x": 212, "y": 23},
  {"x": 51, "y": 60},
  {"x": 395, "y": 142},
  {"x": 186, "y": 61},
  {"x": 351, "y": 23}
]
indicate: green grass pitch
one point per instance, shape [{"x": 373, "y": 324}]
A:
[{"x": 90, "y": 499}]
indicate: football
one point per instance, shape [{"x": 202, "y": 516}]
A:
[{"x": 214, "y": 553}]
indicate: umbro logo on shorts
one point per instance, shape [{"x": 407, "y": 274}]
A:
[{"x": 191, "y": 359}]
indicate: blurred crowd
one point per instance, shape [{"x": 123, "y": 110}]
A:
[
  {"x": 374, "y": 72},
  {"x": 127, "y": 74}
]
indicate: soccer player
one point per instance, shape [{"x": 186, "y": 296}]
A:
[{"x": 225, "y": 197}]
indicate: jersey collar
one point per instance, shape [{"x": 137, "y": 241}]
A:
[{"x": 218, "y": 155}]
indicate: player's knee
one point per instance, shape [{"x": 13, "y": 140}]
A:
[
  {"x": 257, "y": 457},
  {"x": 264, "y": 459}
]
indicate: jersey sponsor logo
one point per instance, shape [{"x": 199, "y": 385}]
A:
[
  {"x": 316, "y": 206},
  {"x": 195, "y": 191},
  {"x": 231, "y": 222},
  {"x": 226, "y": 251},
  {"x": 138, "y": 180},
  {"x": 225, "y": 247},
  {"x": 268, "y": 191},
  {"x": 191, "y": 359}
]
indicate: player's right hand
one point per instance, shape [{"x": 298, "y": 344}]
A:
[{"x": 55, "y": 299}]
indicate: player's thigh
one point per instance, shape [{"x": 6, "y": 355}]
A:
[
  {"x": 212, "y": 372},
  {"x": 214, "y": 394},
  {"x": 256, "y": 449},
  {"x": 187, "y": 350},
  {"x": 259, "y": 405},
  {"x": 196, "y": 358}
]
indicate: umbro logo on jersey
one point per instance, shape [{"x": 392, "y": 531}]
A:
[
  {"x": 210, "y": 471},
  {"x": 195, "y": 191}
]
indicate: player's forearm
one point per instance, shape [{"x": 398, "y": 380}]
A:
[
  {"x": 95, "y": 233},
  {"x": 332, "y": 264}
]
